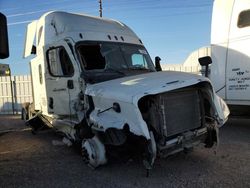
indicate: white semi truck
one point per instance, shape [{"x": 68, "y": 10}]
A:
[
  {"x": 230, "y": 54},
  {"x": 230, "y": 37},
  {"x": 94, "y": 81}
]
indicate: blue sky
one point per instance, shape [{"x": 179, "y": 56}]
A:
[{"x": 170, "y": 29}]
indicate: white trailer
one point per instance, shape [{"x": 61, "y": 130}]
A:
[
  {"x": 94, "y": 81},
  {"x": 230, "y": 37},
  {"x": 229, "y": 50}
]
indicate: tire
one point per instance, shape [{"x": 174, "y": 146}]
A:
[{"x": 24, "y": 114}]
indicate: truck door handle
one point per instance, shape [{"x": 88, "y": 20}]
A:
[
  {"x": 70, "y": 84},
  {"x": 59, "y": 89}
]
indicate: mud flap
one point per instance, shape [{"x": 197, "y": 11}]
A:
[{"x": 212, "y": 135}]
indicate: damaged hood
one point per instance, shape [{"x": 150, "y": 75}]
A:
[{"x": 130, "y": 89}]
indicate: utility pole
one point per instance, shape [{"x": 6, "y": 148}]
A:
[{"x": 100, "y": 7}]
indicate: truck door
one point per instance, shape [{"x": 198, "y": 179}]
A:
[
  {"x": 238, "y": 59},
  {"x": 62, "y": 75}
]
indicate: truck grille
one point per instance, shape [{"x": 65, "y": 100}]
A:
[
  {"x": 181, "y": 111},
  {"x": 175, "y": 112}
]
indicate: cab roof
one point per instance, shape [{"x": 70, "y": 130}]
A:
[{"x": 57, "y": 25}]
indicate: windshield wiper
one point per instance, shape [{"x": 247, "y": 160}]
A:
[
  {"x": 138, "y": 68},
  {"x": 115, "y": 70}
]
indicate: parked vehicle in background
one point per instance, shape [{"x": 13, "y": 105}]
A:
[
  {"x": 94, "y": 81},
  {"x": 230, "y": 68}
]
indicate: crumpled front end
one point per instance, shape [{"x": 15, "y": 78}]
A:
[
  {"x": 161, "y": 124},
  {"x": 159, "y": 121},
  {"x": 183, "y": 118}
]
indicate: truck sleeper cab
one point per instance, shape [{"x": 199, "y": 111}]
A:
[{"x": 94, "y": 81}]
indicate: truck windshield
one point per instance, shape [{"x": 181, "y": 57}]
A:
[{"x": 108, "y": 56}]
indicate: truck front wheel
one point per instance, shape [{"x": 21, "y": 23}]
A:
[{"x": 93, "y": 152}]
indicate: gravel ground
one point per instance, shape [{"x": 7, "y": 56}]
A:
[{"x": 28, "y": 160}]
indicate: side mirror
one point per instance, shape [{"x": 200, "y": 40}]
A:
[
  {"x": 4, "y": 44},
  {"x": 205, "y": 61},
  {"x": 158, "y": 63}
]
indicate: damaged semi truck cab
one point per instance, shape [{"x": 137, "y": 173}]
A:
[{"x": 94, "y": 81}]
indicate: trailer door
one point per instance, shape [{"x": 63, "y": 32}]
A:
[{"x": 62, "y": 75}]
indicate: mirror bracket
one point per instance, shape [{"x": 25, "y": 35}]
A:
[
  {"x": 158, "y": 64},
  {"x": 205, "y": 61}
]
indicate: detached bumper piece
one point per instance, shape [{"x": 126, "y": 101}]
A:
[
  {"x": 185, "y": 141},
  {"x": 38, "y": 123}
]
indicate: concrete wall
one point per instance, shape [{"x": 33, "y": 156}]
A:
[{"x": 181, "y": 68}]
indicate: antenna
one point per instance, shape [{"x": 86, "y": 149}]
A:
[{"x": 100, "y": 7}]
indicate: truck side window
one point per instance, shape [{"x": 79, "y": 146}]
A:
[
  {"x": 59, "y": 62},
  {"x": 244, "y": 19},
  {"x": 91, "y": 57}
]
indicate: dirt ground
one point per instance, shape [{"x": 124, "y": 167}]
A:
[{"x": 28, "y": 160}]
